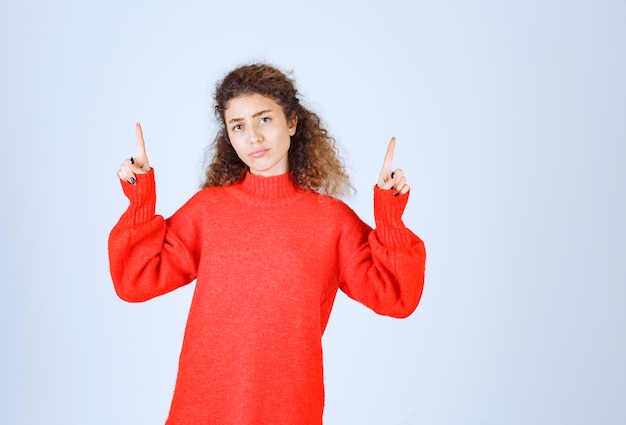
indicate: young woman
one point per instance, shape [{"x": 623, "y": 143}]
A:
[{"x": 269, "y": 245}]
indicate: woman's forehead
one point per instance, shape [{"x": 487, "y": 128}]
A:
[{"x": 250, "y": 103}]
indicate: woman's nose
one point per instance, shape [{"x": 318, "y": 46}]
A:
[{"x": 255, "y": 135}]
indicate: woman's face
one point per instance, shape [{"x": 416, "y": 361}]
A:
[{"x": 260, "y": 133}]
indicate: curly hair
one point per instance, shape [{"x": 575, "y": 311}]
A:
[{"x": 314, "y": 162}]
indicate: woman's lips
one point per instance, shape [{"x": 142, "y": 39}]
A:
[{"x": 257, "y": 153}]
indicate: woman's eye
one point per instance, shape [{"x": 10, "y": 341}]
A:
[
  {"x": 265, "y": 119},
  {"x": 237, "y": 127}
]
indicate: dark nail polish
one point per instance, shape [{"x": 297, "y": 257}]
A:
[
  {"x": 132, "y": 180},
  {"x": 392, "y": 173},
  {"x": 132, "y": 160},
  {"x": 396, "y": 194}
]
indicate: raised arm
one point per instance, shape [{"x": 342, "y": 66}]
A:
[
  {"x": 386, "y": 273},
  {"x": 149, "y": 256}
]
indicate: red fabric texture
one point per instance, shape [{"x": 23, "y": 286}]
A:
[{"x": 268, "y": 259}]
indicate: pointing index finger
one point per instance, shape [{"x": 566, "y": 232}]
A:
[
  {"x": 389, "y": 155},
  {"x": 141, "y": 146}
]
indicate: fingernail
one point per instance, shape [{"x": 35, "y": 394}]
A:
[
  {"x": 132, "y": 180},
  {"x": 396, "y": 194},
  {"x": 392, "y": 173},
  {"x": 138, "y": 123},
  {"x": 132, "y": 161}
]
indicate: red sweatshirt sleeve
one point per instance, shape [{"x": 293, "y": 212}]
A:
[
  {"x": 149, "y": 256},
  {"x": 386, "y": 272}
]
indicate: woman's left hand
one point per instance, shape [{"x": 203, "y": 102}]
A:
[{"x": 390, "y": 179}]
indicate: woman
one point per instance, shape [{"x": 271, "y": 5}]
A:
[{"x": 268, "y": 245}]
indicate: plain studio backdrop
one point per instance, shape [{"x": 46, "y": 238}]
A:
[{"x": 511, "y": 126}]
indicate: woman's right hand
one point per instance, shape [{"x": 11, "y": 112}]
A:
[{"x": 135, "y": 165}]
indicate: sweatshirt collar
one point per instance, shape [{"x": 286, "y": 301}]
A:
[{"x": 280, "y": 186}]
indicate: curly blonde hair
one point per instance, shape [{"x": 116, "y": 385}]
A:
[{"x": 314, "y": 161}]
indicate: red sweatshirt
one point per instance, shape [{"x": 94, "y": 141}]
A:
[{"x": 268, "y": 258}]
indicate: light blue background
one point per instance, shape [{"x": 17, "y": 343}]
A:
[{"x": 511, "y": 126}]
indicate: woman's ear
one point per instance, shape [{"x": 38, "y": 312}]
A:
[{"x": 292, "y": 123}]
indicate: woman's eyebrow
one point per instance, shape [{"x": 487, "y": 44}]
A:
[{"x": 253, "y": 116}]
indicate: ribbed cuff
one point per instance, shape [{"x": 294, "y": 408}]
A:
[
  {"x": 142, "y": 197},
  {"x": 388, "y": 210}
]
